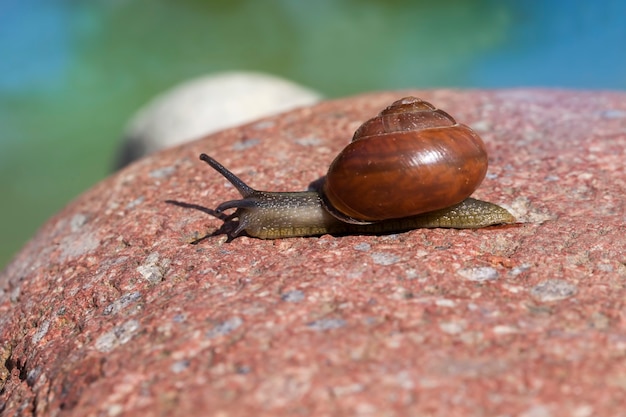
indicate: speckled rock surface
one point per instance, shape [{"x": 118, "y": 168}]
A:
[{"x": 110, "y": 311}]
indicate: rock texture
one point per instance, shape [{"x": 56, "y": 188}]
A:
[{"x": 110, "y": 311}]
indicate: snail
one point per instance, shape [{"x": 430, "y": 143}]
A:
[{"x": 412, "y": 166}]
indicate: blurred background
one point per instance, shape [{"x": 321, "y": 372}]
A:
[{"x": 72, "y": 72}]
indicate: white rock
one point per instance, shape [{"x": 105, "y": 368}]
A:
[{"x": 208, "y": 104}]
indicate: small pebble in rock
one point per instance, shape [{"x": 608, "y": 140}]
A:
[
  {"x": 613, "y": 114},
  {"x": 293, "y": 296},
  {"x": 504, "y": 329},
  {"x": 452, "y": 327},
  {"x": 32, "y": 375},
  {"x": 537, "y": 410},
  {"x": 162, "y": 172},
  {"x": 491, "y": 176},
  {"x": 478, "y": 274},
  {"x": 385, "y": 258},
  {"x": 553, "y": 290},
  {"x": 117, "y": 336},
  {"x": 135, "y": 202},
  {"x": 310, "y": 141},
  {"x": 77, "y": 221},
  {"x": 326, "y": 324},
  {"x": 180, "y": 366},
  {"x": 179, "y": 318},
  {"x": 41, "y": 331},
  {"x": 245, "y": 144},
  {"x": 224, "y": 327},
  {"x": 519, "y": 269},
  {"x": 152, "y": 269},
  {"x": 243, "y": 369},
  {"x": 121, "y": 303},
  {"x": 444, "y": 302},
  {"x": 79, "y": 244},
  {"x": 363, "y": 246}
]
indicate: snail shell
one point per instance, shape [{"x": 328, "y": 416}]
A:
[{"x": 412, "y": 158}]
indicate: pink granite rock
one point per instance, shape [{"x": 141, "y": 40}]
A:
[{"x": 110, "y": 311}]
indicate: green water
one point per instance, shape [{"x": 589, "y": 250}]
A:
[{"x": 73, "y": 72}]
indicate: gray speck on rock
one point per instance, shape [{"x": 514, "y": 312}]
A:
[
  {"x": 245, "y": 144},
  {"x": 41, "y": 331},
  {"x": 612, "y": 114},
  {"x": 491, "y": 176},
  {"x": 515, "y": 271},
  {"x": 162, "y": 172},
  {"x": 326, "y": 324},
  {"x": 478, "y": 274},
  {"x": 14, "y": 296},
  {"x": 154, "y": 269},
  {"x": 121, "y": 303},
  {"x": 32, "y": 375},
  {"x": 310, "y": 141},
  {"x": 482, "y": 125},
  {"x": 445, "y": 302},
  {"x": 537, "y": 410},
  {"x": 243, "y": 369},
  {"x": 264, "y": 125},
  {"x": 363, "y": 247},
  {"x": 135, "y": 202},
  {"x": 384, "y": 258},
  {"x": 180, "y": 366},
  {"x": 77, "y": 221},
  {"x": 78, "y": 244},
  {"x": 293, "y": 296},
  {"x": 117, "y": 336},
  {"x": 553, "y": 290},
  {"x": 452, "y": 327},
  {"x": 224, "y": 327}
]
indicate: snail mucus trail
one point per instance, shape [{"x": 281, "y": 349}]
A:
[{"x": 412, "y": 166}]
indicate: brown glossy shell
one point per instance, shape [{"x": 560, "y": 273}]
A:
[{"x": 410, "y": 159}]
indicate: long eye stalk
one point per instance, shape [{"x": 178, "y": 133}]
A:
[{"x": 244, "y": 189}]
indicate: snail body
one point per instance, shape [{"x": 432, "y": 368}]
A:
[{"x": 412, "y": 166}]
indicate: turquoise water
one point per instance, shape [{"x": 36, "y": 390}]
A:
[{"x": 73, "y": 72}]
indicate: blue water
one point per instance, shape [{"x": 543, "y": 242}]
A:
[
  {"x": 72, "y": 72},
  {"x": 575, "y": 44},
  {"x": 35, "y": 43}
]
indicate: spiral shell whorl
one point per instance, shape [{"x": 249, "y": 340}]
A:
[{"x": 404, "y": 115}]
